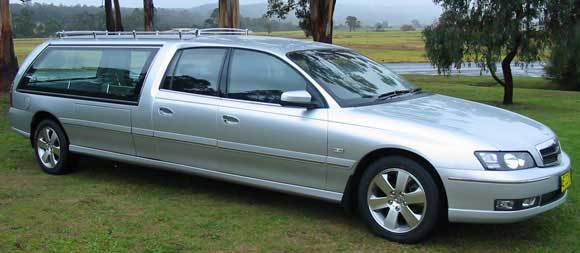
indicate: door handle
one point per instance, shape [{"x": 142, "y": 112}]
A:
[
  {"x": 230, "y": 120},
  {"x": 164, "y": 111}
]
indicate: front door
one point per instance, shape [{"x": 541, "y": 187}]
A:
[{"x": 260, "y": 138}]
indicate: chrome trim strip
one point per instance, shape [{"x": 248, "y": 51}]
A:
[
  {"x": 142, "y": 131},
  {"x": 87, "y": 123},
  {"x": 77, "y": 97},
  {"x": 161, "y": 90},
  {"x": 473, "y": 180},
  {"x": 249, "y": 102},
  {"x": 23, "y": 133},
  {"x": 260, "y": 183},
  {"x": 272, "y": 151},
  {"x": 340, "y": 162},
  {"x": 185, "y": 138}
]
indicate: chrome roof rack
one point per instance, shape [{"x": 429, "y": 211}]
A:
[{"x": 178, "y": 33}]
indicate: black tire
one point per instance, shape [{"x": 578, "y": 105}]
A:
[
  {"x": 63, "y": 164},
  {"x": 433, "y": 205}
]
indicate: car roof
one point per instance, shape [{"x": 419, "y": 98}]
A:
[{"x": 271, "y": 44}]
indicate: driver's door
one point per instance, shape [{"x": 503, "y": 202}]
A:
[{"x": 260, "y": 138}]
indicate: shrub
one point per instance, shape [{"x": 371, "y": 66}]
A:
[{"x": 406, "y": 28}]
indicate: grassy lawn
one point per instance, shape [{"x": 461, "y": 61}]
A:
[
  {"x": 388, "y": 46},
  {"x": 108, "y": 208}
]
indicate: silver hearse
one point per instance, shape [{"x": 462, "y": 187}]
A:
[{"x": 289, "y": 115}]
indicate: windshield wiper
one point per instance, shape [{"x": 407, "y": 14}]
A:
[{"x": 397, "y": 93}]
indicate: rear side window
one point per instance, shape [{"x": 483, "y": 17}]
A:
[
  {"x": 196, "y": 71},
  {"x": 109, "y": 73}
]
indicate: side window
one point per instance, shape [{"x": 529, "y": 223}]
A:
[
  {"x": 111, "y": 73},
  {"x": 261, "y": 77},
  {"x": 196, "y": 71}
]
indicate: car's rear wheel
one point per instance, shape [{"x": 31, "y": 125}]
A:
[
  {"x": 51, "y": 148},
  {"x": 399, "y": 199}
]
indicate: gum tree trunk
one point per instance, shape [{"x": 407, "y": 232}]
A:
[
  {"x": 508, "y": 80},
  {"x": 149, "y": 10},
  {"x": 229, "y": 13},
  {"x": 109, "y": 18},
  {"x": 321, "y": 17},
  {"x": 118, "y": 17},
  {"x": 8, "y": 61}
]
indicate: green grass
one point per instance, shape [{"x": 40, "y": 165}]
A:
[
  {"x": 104, "y": 208},
  {"x": 388, "y": 46},
  {"x": 23, "y": 47}
]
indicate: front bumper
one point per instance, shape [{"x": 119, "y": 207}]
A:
[{"x": 471, "y": 193}]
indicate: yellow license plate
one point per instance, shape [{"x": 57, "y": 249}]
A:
[{"x": 566, "y": 180}]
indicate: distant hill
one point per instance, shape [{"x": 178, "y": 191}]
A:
[{"x": 395, "y": 12}]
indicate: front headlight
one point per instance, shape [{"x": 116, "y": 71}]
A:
[{"x": 505, "y": 160}]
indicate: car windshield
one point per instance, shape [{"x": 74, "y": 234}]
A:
[{"x": 352, "y": 79}]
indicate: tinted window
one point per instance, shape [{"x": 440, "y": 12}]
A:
[
  {"x": 196, "y": 71},
  {"x": 261, "y": 77},
  {"x": 350, "y": 77},
  {"x": 112, "y": 73}
]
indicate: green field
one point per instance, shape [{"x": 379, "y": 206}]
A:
[
  {"x": 107, "y": 208},
  {"x": 389, "y": 46}
]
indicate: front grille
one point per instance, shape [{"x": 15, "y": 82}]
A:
[{"x": 551, "y": 154}]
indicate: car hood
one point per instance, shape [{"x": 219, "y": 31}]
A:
[{"x": 448, "y": 116}]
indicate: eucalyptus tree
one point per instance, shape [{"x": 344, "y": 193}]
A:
[
  {"x": 563, "y": 25},
  {"x": 8, "y": 60},
  {"x": 109, "y": 17},
  {"x": 485, "y": 32},
  {"x": 316, "y": 16},
  {"x": 229, "y": 13},
  {"x": 352, "y": 23},
  {"x": 118, "y": 16},
  {"x": 149, "y": 12}
]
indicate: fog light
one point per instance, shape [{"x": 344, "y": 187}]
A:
[
  {"x": 529, "y": 202},
  {"x": 504, "y": 205}
]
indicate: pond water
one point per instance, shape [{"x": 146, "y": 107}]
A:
[{"x": 535, "y": 69}]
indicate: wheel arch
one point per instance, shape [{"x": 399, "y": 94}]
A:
[
  {"x": 39, "y": 117},
  {"x": 349, "y": 199}
]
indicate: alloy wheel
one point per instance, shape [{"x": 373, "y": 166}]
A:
[
  {"x": 48, "y": 147},
  {"x": 396, "y": 200}
]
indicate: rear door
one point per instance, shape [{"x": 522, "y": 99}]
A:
[
  {"x": 185, "y": 108},
  {"x": 95, "y": 89}
]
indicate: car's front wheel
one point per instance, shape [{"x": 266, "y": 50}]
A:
[{"x": 399, "y": 199}]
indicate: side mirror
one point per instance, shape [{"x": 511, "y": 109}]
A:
[{"x": 297, "y": 98}]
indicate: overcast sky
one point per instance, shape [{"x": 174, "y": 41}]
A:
[{"x": 192, "y": 3}]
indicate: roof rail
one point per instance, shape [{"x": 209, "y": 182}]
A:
[{"x": 179, "y": 33}]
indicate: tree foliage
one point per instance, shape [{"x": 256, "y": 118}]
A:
[
  {"x": 316, "y": 16},
  {"x": 407, "y": 28},
  {"x": 281, "y": 9},
  {"x": 352, "y": 22},
  {"x": 486, "y": 32},
  {"x": 563, "y": 24}
]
